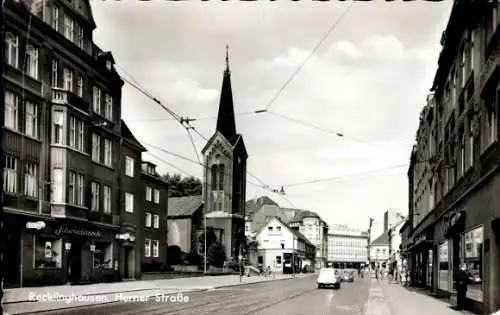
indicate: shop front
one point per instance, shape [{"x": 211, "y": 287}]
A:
[
  {"x": 421, "y": 254},
  {"x": 64, "y": 251}
]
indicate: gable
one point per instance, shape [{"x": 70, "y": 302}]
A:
[
  {"x": 83, "y": 8},
  {"x": 217, "y": 144},
  {"x": 274, "y": 223}
]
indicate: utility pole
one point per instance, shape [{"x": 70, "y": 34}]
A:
[
  {"x": 369, "y": 240},
  {"x": 2, "y": 153}
]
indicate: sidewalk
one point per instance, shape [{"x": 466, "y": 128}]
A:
[
  {"x": 37, "y": 299},
  {"x": 406, "y": 301}
]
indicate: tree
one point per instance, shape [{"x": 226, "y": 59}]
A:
[
  {"x": 216, "y": 255},
  {"x": 211, "y": 239},
  {"x": 180, "y": 187}
]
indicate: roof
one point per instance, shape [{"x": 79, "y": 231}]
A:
[
  {"x": 302, "y": 214},
  {"x": 127, "y": 134},
  {"x": 226, "y": 123},
  {"x": 259, "y": 219},
  {"x": 295, "y": 232},
  {"x": 254, "y": 205},
  {"x": 383, "y": 239},
  {"x": 184, "y": 206}
]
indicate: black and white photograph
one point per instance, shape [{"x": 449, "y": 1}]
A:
[{"x": 250, "y": 157}]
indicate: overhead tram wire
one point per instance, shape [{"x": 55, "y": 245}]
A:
[
  {"x": 185, "y": 122},
  {"x": 337, "y": 22}
]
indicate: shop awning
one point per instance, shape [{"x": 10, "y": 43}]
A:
[{"x": 419, "y": 244}]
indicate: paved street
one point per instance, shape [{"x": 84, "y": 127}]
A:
[{"x": 298, "y": 296}]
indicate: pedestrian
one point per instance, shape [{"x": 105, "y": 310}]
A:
[{"x": 461, "y": 279}]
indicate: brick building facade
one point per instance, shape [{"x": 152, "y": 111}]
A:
[{"x": 454, "y": 165}]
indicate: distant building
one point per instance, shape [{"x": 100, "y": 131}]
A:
[
  {"x": 347, "y": 247},
  {"x": 379, "y": 250},
  {"x": 281, "y": 247},
  {"x": 311, "y": 225}
]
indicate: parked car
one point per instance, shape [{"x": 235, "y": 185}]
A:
[
  {"x": 329, "y": 277},
  {"x": 348, "y": 276}
]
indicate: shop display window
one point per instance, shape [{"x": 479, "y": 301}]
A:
[{"x": 48, "y": 252}]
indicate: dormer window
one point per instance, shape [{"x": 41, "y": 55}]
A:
[{"x": 108, "y": 65}]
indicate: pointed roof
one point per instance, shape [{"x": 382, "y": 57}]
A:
[
  {"x": 129, "y": 136},
  {"x": 383, "y": 239},
  {"x": 226, "y": 123}
]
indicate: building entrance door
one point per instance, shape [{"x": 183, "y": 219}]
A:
[
  {"x": 128, "y": 263},
  {"x": 75, "y": 262}
]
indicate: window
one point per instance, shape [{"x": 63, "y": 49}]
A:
[
  {"x": 30, "y": 180},
  {"x": 157, "y": 196},
  {"x": 147, "y": 247},
  {"x": 32, "y": 61},
  {"x": 12, "y": 50},
  {"x": 10, "y": 174},
  {"x": 95, "y": 196},
  {"x": 278, "y": 228},
  {"x": 108, "y": 152},
  {"x": 81, "y": 38},
  {"x": 55, "y": 18},
  {"x": 462, "y": 66},
  {"x": 156, "y": 221},
  {"x": 156, "y": 248},
  {"x": 55, "y": 72},
  {"x": 129, "y": 202},
  {"x": 48, "y": 252},
  {"x": 473, "y": 252},
  {"x": 11, "y": 110},
  {"x": 79, "y": 86},
  {"x": 97, "y": 100},
  {"x": 76, "y": 134},
  {"x": 129, "y": 166},
  {"x": 31, "y": 119},
  {"x": 149, "y": 193},
  {"x": 109, "y": 107},
  {"x": 148, "y": 219},
  {"x": 108, "y": 65},
  {"x": 461, "y": 167},
  {"x": 57, "y": 185},
  {"x": 270, "y": 229},
  {"x": 278, "y": 260},
  {"x": 471, "y": 51},
  {"x": 69, "y": 28},
  {"x": 96, "y": 148},
  {"x": 493, "y": 126},
  {"x": 103, "y": 255},
  {"x": 107, "y": 199},
  {"x": 80, "y": 189},
  {"x": 72, "y": 188},
  {"x": 68, "y": 79}
]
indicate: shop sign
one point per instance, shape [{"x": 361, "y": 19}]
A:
[{"x": 64, "y": 230}]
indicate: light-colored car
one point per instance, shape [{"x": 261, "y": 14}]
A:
[{"x": 328, "y": 277}]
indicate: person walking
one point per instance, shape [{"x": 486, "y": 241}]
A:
[{"x": 461, "y": 280}]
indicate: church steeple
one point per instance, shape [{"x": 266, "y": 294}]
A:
[{"x": 226, "y": 123}]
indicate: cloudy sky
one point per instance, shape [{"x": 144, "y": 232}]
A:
[{"x": 367, "y": 80}]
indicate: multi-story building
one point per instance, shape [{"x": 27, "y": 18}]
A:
[
  {"x": 347, "y": 247},
  {"x": 379, "y": 251},
  {"x": 71, "y": 178},
  {"x": 155, "y": 216},
  {"x": 460, "y": 222},
  {"x": 284, "y": 249},
  {"x": 314, "y": 228}
]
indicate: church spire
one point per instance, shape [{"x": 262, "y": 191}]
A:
[{"x": 226, "y": 123}]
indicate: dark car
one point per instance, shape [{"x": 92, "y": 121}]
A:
[{"x": 348, "y": 276}]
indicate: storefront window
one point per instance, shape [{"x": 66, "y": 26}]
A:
[
  {"x": 473, "y": 250},
  {"x": 103, "y": 255},
  {"x": 443, "y": 267},
  {"x": 429, "y": 268},
  {"x": 48, "y": 253}
]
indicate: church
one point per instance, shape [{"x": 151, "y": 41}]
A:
[{"x": 224, "y": 191}]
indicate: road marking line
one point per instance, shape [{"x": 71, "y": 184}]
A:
[{"x": 376, "y": 304}]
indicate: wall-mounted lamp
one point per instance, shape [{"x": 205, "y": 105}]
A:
[
  {"x": 67, "y": 246},
  {"x": 92, "y": 247},
  {"x": 35, "y": 225}
]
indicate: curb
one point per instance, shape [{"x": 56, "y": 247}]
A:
[{"x": 136, "y": 290}]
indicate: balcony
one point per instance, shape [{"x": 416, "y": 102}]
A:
[
  {"x": 68, "y": 211},
  {"x": 64, "y": 97}
]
